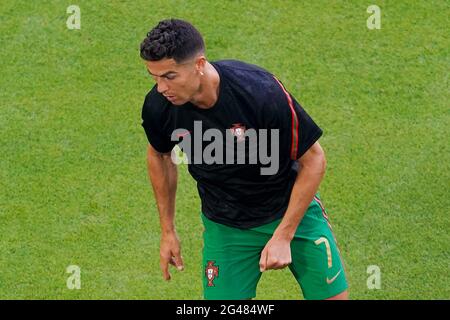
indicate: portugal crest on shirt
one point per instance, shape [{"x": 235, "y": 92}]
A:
[
  {"x": 211, "y": 272},
  {"x": 238, "y": 130}
]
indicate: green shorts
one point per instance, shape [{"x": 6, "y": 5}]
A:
[{"x": 231, "y": 258}]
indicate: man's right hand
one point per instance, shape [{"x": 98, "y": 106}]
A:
[{"x": 170, "y": 253}]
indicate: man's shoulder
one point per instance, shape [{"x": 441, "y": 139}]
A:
[
  {"x": 232, "y": 64},
  {"x": 241, "y": 70},
  {"x": 250, "y": 78}
]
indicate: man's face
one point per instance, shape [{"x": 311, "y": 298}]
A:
[{"x": 178, "y": 82}]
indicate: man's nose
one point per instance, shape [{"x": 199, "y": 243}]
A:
[{"x": 161, "y": 86}]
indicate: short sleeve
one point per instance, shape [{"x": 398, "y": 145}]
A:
[
  {"x": 297, "y": 130},
  {"x": 153, "y": 124}
]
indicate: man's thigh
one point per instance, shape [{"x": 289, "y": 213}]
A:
[
  {"x": 317, "y": 266},
  {"x": 230, "y": 261}
]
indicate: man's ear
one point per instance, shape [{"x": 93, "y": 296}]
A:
[{"x": 200, "y": 63}]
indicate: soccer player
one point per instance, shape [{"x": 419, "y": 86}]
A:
[{"x": 254, "y": 220}]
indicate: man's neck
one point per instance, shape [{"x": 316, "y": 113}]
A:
[{"x": 209, "y": 88}]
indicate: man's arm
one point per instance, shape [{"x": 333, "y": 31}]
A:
[
  {"x": 277, "y": 252},
  {"x": 163, "y": 175}
]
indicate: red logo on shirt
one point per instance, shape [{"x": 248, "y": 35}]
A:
[
  {"x": 211, "y": 272},
  {"x": 238, "y": 130}
]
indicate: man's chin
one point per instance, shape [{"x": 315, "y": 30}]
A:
[
  {"x": 178, "y": 102},
  {"x": 175, "y": 101}
]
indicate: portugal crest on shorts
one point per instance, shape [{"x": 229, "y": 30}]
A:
[
  {"x": 238, "y": 130},
  {"x": 211, "y": 272}
]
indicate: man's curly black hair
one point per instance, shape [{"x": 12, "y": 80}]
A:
[{"x": 172, "y": 38}]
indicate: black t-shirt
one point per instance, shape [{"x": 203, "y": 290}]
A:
[{"x": 250, "y": 97}]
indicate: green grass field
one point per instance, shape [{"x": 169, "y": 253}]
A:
[{"x": 74, "y": 187}]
